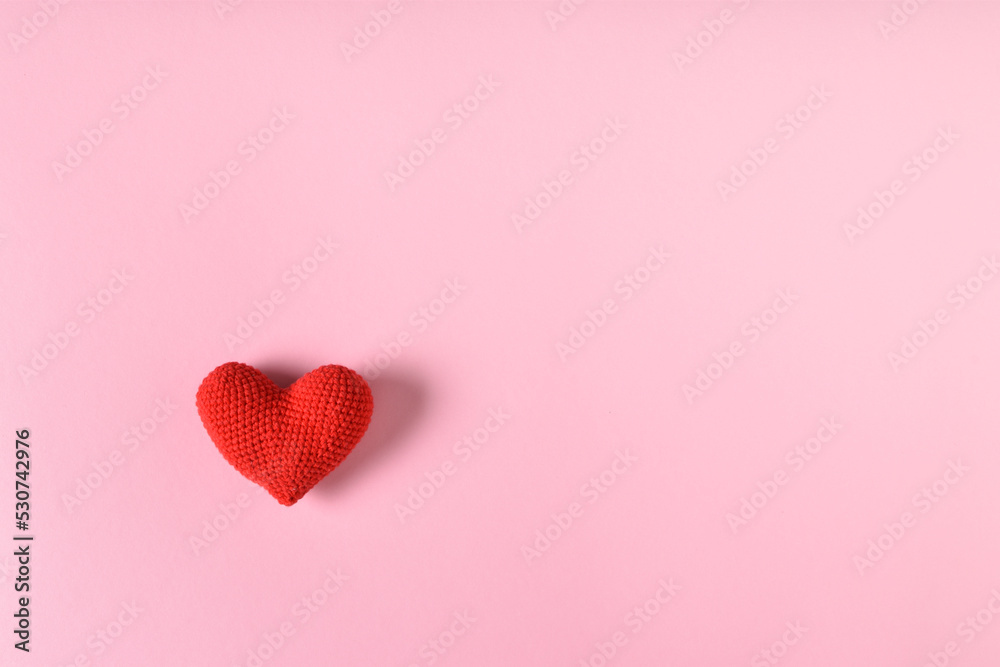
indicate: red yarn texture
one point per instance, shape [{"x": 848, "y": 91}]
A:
[{"x": 285, "y": 440}]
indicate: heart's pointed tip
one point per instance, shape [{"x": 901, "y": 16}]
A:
[{"x": 283, "y": 498}]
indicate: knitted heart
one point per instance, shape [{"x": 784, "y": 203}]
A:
[{"x": 285, "y": 440}]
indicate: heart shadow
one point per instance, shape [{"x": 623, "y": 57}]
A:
[{"x": 399, "y": 402}]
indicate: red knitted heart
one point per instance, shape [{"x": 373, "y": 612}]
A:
[{"x": 285, "y": 440}]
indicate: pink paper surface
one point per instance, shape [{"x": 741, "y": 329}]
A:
[{"x": 681, "y": 321}]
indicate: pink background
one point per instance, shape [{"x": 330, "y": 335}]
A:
[{"x": 670, "y": 518}]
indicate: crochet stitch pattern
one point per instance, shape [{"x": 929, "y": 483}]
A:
[{"x": 285, "y": 440}]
